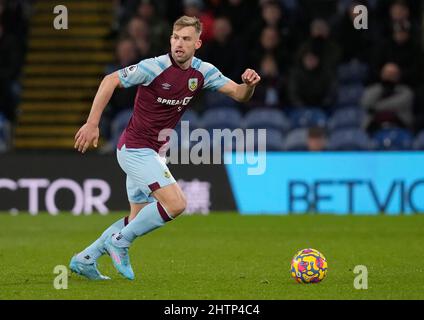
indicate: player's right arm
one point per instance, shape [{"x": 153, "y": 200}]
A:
[
  {"x": 142, "y": 73},
  {"x": 89, "y": 133}
]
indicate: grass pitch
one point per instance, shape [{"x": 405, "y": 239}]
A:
[{"x": 220, "y": 256}]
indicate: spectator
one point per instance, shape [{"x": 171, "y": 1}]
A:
[
  {"x": 404, "y": 51},
  {"x": 196, "y": 8},
  {"x": 272, "y": 17},
  {"x": 316, "y": 139},
  {"x": 389, "y": 102},
  {"x": 324, "y": 9},
  {"x": 14, "y": 15},
  {"x": 139, "y": 31},
  {"x": 122, "y": 100},
  {"x": 355, "y": 43},
  {"x": 160, "y": 30},
  {"x": 270, "y": 44},
  {"x": 400, "y": 14},
  {"x": 319, "y": 41},
  {"x": 271, "y": 91},
  {"x": 310, "y": 83},
  {"x": 240, "y": 13},
  {"x": 215, "y": 6},
  {"x": 123, "y": 10},
  {"x": 172, "y": 9},
  {"x": 224, "y": 50}
]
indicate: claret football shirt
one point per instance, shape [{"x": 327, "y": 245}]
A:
[{"x": 164, "y": 93}]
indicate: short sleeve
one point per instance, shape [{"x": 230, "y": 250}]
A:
[
  {"x": 214, "y": 79},
  {"x": 142, "y": 73}
]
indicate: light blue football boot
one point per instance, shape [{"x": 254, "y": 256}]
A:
[
  {"x": 120, "y": 259},
  {"x": 89, "y": 271}
]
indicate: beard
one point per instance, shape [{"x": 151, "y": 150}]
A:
[{"x": 181, "y": 59}]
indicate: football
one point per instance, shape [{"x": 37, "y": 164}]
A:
[{"x": 309, "y": 266}]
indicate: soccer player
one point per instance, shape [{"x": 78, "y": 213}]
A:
[{"x": 166, "y": 84}]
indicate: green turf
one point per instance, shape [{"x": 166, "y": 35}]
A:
[{"x": 220, "y": 256}]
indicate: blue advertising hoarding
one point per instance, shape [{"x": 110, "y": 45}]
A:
[{"x": 336, "y": 183}]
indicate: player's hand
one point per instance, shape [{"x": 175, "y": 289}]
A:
[
  {"x": 87, "y": 135},
  {"x": 250, "y": 77}
]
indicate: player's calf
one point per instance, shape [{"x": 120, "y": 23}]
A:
[
  {"x": 172, "y": 199},
  {"x": 171, "y": 202}
]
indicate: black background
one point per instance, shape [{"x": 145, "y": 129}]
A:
[{"x": 90, "y": 166}]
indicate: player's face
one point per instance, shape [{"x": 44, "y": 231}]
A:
[{"x": 184, "y": 42}]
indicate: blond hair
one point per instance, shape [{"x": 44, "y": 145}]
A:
[{"x": 186, "y": 21}]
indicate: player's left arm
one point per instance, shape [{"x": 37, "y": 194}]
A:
[{"x": 242, "y": 92}]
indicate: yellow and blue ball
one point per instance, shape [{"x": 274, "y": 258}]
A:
[{"x": 309, "y": 266}]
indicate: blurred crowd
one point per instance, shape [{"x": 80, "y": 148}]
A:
[
  {"x": 14, "y": 21},
  {"x": 308, "y": 53},
  {"x": 14, "y": 17}
]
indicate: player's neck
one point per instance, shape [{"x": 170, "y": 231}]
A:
[{"x": 185, "y": 65}]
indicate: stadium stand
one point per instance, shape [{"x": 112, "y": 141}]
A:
[
  {"x": 310, "y": 117},
  {"x": 267, "y": 118},
  {"x": 349, "y": 94},
  {"x": 419, "y": 141},
  {"x": 346, "y": 118},
  {"x": 274, "y": 141},
  {"x": 62, "y": 71},
  {"x": 4, "y": 134},
  {"x": 393, "y": 139},
  {"x": 297, "y": 140},
  {"x": 217, "y": 100},
  {"x": 349, "y": 140},
  {"x": 280, "y": 38},
  {"x": 352, "y": 72},
  {"x": 222, "y": 118}
]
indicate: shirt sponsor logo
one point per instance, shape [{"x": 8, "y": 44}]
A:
[{"x": 174, "y": 102}]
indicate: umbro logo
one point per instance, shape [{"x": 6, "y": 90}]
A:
[{"x": 166, "y": 86}]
